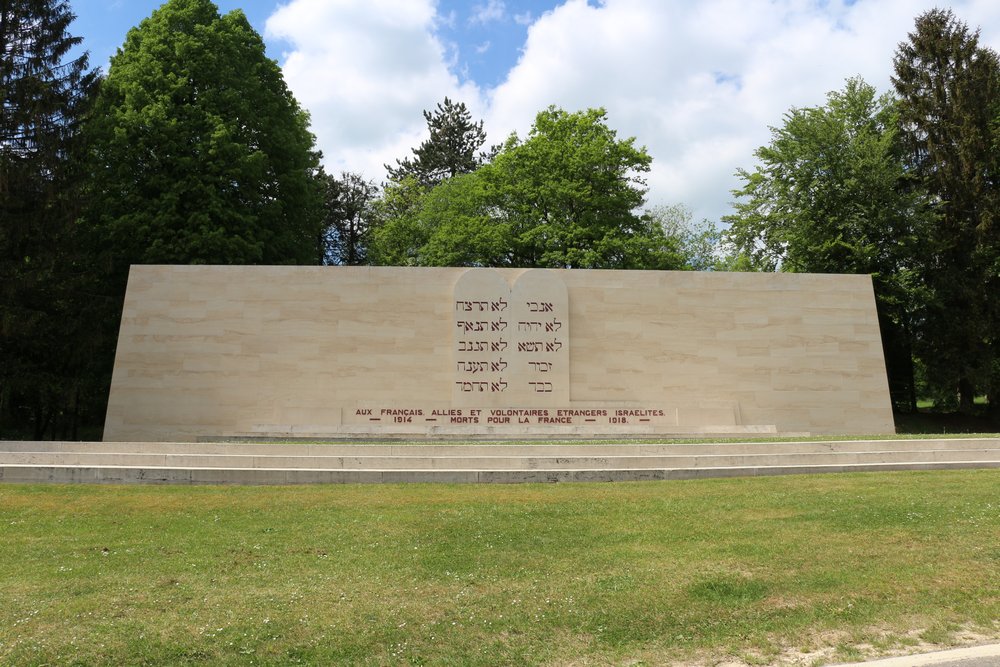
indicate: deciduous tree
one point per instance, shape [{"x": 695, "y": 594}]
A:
[
  {"x": 199, "y": 152},
  {"x": 348, "y": 214},
  {"x": 567, "y": 196},
  {"x": 570, "y": 192},
  {"x": 831, "y": 195},
  {"x": 697, "y": 243}
]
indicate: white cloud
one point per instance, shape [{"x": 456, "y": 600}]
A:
[
  {"x": 697, "y": 83},
  {"x": 365, "y": 70},
  {"x": 448, "y": 20},
  {"x": 493, "y": 10}
]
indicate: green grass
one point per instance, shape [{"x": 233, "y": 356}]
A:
[{"x": 652, "y": 573}]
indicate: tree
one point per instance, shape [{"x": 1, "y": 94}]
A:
[
  {"x": 448, "y": 225},
  {"x": 949, "y": 86},
  {"x": 397, "y": 234},
  {"x": 569, "y": 193},
  {"x": 831, "y": 195},
  {"x": 452, "y": 149},
  {"x": 698, "y": 243},
  {"x": 459, "y": 226},
  {"x": 348, "y": 215},
  {"x": 199, "y": 152},
  {"x": 43, "y": 350},
  {"x": 565, "y": 197}
]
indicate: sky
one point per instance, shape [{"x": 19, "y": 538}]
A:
[{"x": 698, "y": 84}]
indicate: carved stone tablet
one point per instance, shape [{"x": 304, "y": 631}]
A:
[
  {"x": 541, "y": 339},
  {"x": 511, "y": 346},
  {"x": 482, "y": 344}
]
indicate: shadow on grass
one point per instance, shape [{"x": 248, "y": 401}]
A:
[{"x": 944, "y": 422}]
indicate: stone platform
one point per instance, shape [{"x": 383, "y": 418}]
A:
[{"x": 314, "y": 463}]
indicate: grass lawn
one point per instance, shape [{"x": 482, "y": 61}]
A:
[{"x": 760, "y": 570}]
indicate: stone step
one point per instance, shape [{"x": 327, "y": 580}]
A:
[
  {"x": 489, "y": 462},
  {"x": 566, "y": 448},
  {"x": 486, "y": 432},
  {"x": 296, "y": 463}
]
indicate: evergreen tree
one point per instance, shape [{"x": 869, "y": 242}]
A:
[
  {"x": 43, "y": 346},
  {"x": 199, "y": 152},
  {"x": 452, "y": 149},
  {"x": 949, "y": 88}
]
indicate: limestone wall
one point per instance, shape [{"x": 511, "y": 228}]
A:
[{"x": 212, "y": 351}]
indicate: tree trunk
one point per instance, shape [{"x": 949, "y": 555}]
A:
[
  {"x": 75, "y": 423},
  {"x": 41, "y": 420},
  {"x": 966, "y": 395}
]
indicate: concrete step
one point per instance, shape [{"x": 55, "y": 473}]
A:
[
  {"x": 406, "y": 432},
  {"x": 548, "y": 448},
  {"x": 262, "y": 463},
  {"x": 487, "y": 462}
]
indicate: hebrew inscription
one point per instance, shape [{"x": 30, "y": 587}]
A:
[
  {"x": 541, "y": 314},
  {"x": 482, "y": 339},
  {"x": 511, "y": 345}
]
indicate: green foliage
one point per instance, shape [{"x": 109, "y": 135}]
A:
[
  {"x": 832, "y": 195},
  {"x": 45, "y": 348},
  {"x": 452, "y": 149},
  {"x": 565, "y": 197},
  {"x": 949, "y": 87},
  {"x": 826, "y": 196},
  {"x": 698, "y": 243},
  {"x": 348, "y": 205},
  {"x": 398, "y": 234},
  {"x": 199, "y": 152},
  {"x": 450, "y": 224},
  {"x": 465, "y": 232},
  {"x": 569, "y": 192},
  {"x": 904, "y": 188}
]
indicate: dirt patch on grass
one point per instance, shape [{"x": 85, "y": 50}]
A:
[{"x": 837, "y": 646}]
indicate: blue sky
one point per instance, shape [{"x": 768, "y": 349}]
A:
[
  {"x": 697, "y": 83},
  {"x": 484, "y": 38},
  {"x": 103, "y": 24}
]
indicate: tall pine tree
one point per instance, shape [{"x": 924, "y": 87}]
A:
[
  {"x": 948, "y": 87},
  {"x": 45, "y": 94},
  {"x": 453, "y": 147}
]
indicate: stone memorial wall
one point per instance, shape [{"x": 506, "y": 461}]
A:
[{"x": 366, "y": 351}]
